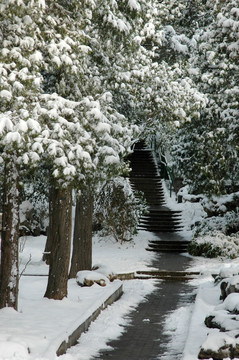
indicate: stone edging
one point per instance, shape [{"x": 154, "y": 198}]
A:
[
  {"x": 159, "y": 274},
  {"x": 72, "y": 338}
]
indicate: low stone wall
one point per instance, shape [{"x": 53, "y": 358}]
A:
[{"x": 74, "y": 336}]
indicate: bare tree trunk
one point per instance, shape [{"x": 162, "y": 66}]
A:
[
  {"x": 82, "y": 238},
  {"x": 9, "y": 274},
  {"x": 60, "y": 234}
]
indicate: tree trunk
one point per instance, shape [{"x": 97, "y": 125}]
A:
[
  {"x": 82, "y": 239},
  {"x": 50, "y": 230},
  {"x": 60, "y": 234},
  {"x": 9, "y": 274}
]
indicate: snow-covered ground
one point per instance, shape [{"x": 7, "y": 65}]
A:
[
  {"x": 34, "y": 332},
  {"x": 39, "y": 327}
]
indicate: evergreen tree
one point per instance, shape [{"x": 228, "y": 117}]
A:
[
  {"x": 19, "y": 89},
  {"x": 214, "y": 140},
  {"x": 76, "y": 78}
]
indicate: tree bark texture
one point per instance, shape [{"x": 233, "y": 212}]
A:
[
  {"x": 82, "y": 238},
  {"x": 60, "y": 235},
  {"x": 50, "y": 230},
  {"x": 9, "y": 274}
]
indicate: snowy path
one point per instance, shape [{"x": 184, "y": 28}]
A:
[{"x": 144, "y": 338}]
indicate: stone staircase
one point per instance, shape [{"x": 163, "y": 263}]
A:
[{"x": 159, "y": 219}]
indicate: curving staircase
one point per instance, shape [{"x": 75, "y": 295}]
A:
[{"x": 159, "y": 219}]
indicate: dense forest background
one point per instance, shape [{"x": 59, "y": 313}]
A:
[{"x": 80, "y": 82}]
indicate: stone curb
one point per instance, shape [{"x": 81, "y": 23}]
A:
[
  {"x": 72, "y": 338},
  {"x": 159, "y": 274}
]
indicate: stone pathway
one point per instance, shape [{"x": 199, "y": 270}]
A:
[{"x": 143, "y": 338}]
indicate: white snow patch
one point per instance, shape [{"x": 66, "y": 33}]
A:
[{"x": 5, "y": 94}]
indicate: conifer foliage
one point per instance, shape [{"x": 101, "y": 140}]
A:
[
  {"x": 80, "y": 80},
  {"x": 207, "y": 153}
]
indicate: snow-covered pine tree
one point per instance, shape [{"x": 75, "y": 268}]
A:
[
  {"x": 20, "y": 80},
  {"x": 147, "y": 89},
  {"x": 112, "y": 137},
  {"x": 214, "y": 145}
]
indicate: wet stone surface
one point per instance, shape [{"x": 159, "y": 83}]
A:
[{"x": 144, "y": 337}]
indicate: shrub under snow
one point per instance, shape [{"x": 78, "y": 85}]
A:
[
  {"x": 215, "y": 244},
  {"x": 118, "y": 210}
]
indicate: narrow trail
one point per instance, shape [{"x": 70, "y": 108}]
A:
[{"x": 144, "y": 337}]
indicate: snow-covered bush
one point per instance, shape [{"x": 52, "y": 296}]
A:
[
  {"x": 220, "y": 205},
  {"x": 218, "y": 233},
  {"x": 34, "y": 203},
  {"x": 34, "y": 217},
  {"x": 215, "y": 244},
  {"x": 118, "y": 210},
  {"x": 222, "y": 321},
  {"x": 227, "y": 224}
]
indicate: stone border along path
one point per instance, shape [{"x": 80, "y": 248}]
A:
[
  {"x": 74, "y": 336},
  {"x": 160, "y": 274}
]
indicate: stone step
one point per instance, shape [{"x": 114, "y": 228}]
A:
[
  {"x": 146, "y": 174},
  {"x": 153, "y": 193},
  {"x": 164, "y": 224},
  {"x": 149, "y": 191},
  {"x": 148, "y": 161},
  {"x": 160, "y": 228},
  {"x": 142, "y": 176},
  {"x": 166, "y": 242},
  {"x": 163, "y": 229},
  {"x": 140, "y": 159},
  {"x": 143, "y": 165},
  {"x": 140, "y": 152},
  {"x": 152, "y": 196},
  {"x": 155, "y": 211},
  {"x": 159, "y": 217},
  {"x": 167, "y": 250},
  {"x": 154, "y": 201},
  {"x": 167, "y": 275},
  {"x": 143, "y": 183},
  {"x": 168, "y": 246},
  {"x": 147, "y": 181},
  {"x": 160, "y": 223},
  {"x": 145, "y": 177}
]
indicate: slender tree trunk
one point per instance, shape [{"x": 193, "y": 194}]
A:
[
  {"x": 82, "y": 238},
  {"x": 50, "y": 230},
  {"x": 9, "y": 274},
  {"x": 60, "y": 234}
]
